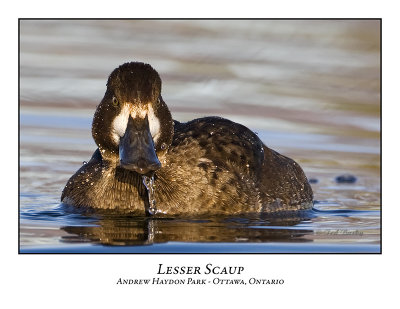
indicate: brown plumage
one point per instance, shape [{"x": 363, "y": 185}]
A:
[{"x": 208, "y": 166}]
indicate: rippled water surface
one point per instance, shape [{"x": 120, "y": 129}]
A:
[{"x": 310, "y": 89}]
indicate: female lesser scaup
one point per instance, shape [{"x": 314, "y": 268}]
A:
[{"x": 147, "y": 162}]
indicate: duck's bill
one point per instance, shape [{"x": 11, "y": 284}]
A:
[{"x": 136, "y": 148}]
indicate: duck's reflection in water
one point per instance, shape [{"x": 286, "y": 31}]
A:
[{"x": 121, "y": 231}]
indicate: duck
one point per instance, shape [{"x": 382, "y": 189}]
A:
[{"x": 146, "y": 163}]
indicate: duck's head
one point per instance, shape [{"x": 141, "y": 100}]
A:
[{"x": 132, "y": 125}]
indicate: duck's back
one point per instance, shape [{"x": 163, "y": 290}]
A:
[
  {"x": 224, "y": 142},
  {"x": 218, "y": 166}
]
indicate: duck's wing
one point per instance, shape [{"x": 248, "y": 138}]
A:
[{"x": 225, "y": 142}]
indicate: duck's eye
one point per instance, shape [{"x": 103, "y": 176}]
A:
[
  {"x": 115, "y": 101},
  {"x": 163, "y": 146}
]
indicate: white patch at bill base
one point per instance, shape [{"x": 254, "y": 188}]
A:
[
  {"x": 120, "y": 122},
  {"x": 154, "y": 123}
]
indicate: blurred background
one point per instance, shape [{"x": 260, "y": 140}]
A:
[{"x": 309, "y": 88}]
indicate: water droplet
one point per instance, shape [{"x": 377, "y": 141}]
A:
[
  {"x": 82, "y": 172},
  {"x": 149, "y": 184}
]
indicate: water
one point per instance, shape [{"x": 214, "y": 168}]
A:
[
  {"x": 310, "y": 89},
  {"x": 149, "y": 184}
]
